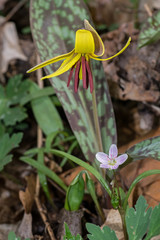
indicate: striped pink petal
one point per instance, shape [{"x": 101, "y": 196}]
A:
[
  {"x": 104, "y": 165},
  {"x": 113, "y": 151},
  {"x": 102, "y": 157},
  {"x": 121, "y": 159}
]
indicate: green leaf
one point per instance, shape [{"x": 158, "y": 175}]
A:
[
  {"x": 16, "y": 89},
  {"x": 85, "y": 165},
  {"x": 12, "y": 236},
  {"x": 45, "y": 113},
  {"x": 53, "y": 25},
  {"x": 136, "y": 180},
  {"x": 10, "y": 110},
  {"x": 150, "y": 32},
  {"x": 68, "y": 234},
  {"x": 145, "y": 149},
  {"x": 96, "y": 233},
  {"x": 13, "y": 115},
  {"x": 42, "y": 176},
  {"x": 45, "y": 170},
  {"x": 137, "y": 220},
  {"x": 6, "y": 145},
  {"x": 39, "y": 93},
  {"x": 154, "y": 228},
  {"x": 75, "y": 193}
]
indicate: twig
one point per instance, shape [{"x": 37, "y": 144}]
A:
[
  {"x": 148, "y": 10},
  {"x": 42, "y": 212},
  {"x": 14, "y": 10}
]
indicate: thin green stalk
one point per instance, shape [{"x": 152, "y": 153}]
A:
[
  {"x": 45, "y": 170},
  {"x": 86, "y": 166},
  {"x": 97, "y": 127},
  {"x": 96, "y": 122},
  {"x": 138, "y": 179}
]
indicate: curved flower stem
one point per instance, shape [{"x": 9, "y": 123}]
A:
[
  {"x": 86, "y": 166},
  {"x": 138, "y": 179}
]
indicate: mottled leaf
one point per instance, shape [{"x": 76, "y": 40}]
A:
[
  {"x": 96, "y": 233},
  {"x": 150, "y": 32},
  {"x": 137, "y": 220},
  {"x": 145, "y": 149},
  {"x": 53, "y": 25}
]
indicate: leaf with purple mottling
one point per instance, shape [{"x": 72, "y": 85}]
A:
[
  {"x": 53, "y": 25},
  {"x": 145, "y": 149}
]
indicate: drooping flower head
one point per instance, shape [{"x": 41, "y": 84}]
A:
[
  {"x": 88, "y": 44},
  {"x": 111, "y": 161}
]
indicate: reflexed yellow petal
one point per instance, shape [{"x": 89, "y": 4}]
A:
[
  {"x": 65, "y": 67},
  {"x": 80, "y": 72},
  {"x": 99, "y": 59},
  {"x": 68, "y": 59},
  {"x": 52, "y": 60},
  {"x": 84, "y": 42},
  {"x": 99, "y": 46}
]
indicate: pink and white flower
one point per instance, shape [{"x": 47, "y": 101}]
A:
[{"x": 113, "y": 160}]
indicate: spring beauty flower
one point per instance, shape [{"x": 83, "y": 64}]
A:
[
  {"x": 88, "y": 45},
  {"x": 111, "y": 161}
]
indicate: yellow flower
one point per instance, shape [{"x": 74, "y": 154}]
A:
[{"x": 88, "y": 44}]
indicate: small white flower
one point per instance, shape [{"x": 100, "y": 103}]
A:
[{"x": 113, "y": 160}]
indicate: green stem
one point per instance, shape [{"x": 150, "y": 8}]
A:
[
  {"x": 96, "y": 121},
  {"x": 97, "y": 127},
  {"x": 43, "y": 169},
  {"x": 122, "y": 213},
  {"x": 86, "y": 166},
  {"x": 138, "y": 179}
]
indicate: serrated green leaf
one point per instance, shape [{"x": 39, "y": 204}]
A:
[
  {"x": 45, "y": 113},
  {"x": 96, "y": 233},
  {"x": 154, "y": 227},
  {"x": 13, "y": 115},
  {"x": 8, "y": 143},
  {"x": 137, "y": 220},
  {"x": 10, "y": 97},
  {"x": 145, "y": 149},
  {"x": 16, "y": 89},
  {"x": 53, "y": 25},
  {"x": 5, "y": 161}
]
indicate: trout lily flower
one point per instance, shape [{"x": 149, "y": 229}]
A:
[
  {"x": 88, "y": 45},
  {"x": 111, "y": 161}
]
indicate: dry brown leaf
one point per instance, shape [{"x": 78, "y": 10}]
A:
[
  {"x": 9, "y": 45},
  {"x": 133, "y": 75},
  {"x": 113, "y": 220},
  {"x": 27, "y": 196}
]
